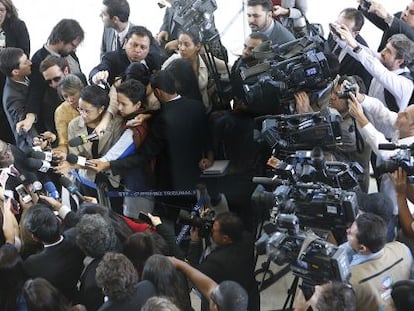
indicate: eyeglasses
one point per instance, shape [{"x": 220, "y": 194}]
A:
[
  {"x": 55, "y": 79},
  {"x": 85, "y": 111}
]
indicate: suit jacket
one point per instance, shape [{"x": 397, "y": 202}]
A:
[
  {"x": 60, "y": 264},
  {"x": 14, "y": 105},
  {"x": 144, "y": 291},
  {"x": 280, "y": 34},
  {"x": 89, "y": 294},
  {"x": 177, "y": 140},
  {"x": 109, "y": 38},
  {"x": 116, "y": 62},
  {"x": 17, "y": 34},
  {"x": 397, "y": 26},
  {"x": 233, "y": 262},
  {"x": 349, "y": 65}
]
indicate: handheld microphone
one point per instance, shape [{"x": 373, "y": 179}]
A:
[
  {"x": 82, "y": 139},
  {"x": 38, "y": 165},
  {"x": 37, "y": 187},
  {"x": 51, "y": 190},
  {"x": 74, "y": 159},
  {"x": 47, "y": 156},
  {"x": 71, "y": 188}
]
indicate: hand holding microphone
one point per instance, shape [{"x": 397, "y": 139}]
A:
[
  {"x": 79, "y": 160},
  {"x": 83, "y": 139}
]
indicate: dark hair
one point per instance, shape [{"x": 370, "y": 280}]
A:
[
  {"x": 159, "y": 304},
  {"x": 404, "y": 48},
  {"x": 134, "y": 90},
  {"x": 53, "y": 60},
  {"x": 337, "y": 296},
  {"x": 12, "y": 276},
  {"x": 40, "y": 295},
  {"x": 43, "y": 224},
  {"x": 139, "y": 246},
  {"x": 118, "y": 8},
  {"x": 372, "y": 231},
  {"x": 354, "y": 80},
  {"x": 186, "y": 82},
  {"x": 95, "y": 236},
  {"x": 95, "y": 95},
  {"x": 266, "y": 4},
  {"x": 230, "y": 296},
  {"x": 66, "y": 31},
  {"x": 168, "y": 281},
  {"x": 164, "y": 81},
  {"x": 11, "y": 10},
  {"x": 10, "y": 60},
  {"x": 193, "y": 34},
  {"x": 230, "y": 225},
  {"x": 139, "y": 31},
  {"x": 379, "y": 204},
  {"x": 403, "y": 295},
  {"x": 116, "y": 276},
  {"x": 356, "y": 15},
  {"x": 258, "y": 36},
  {"x": 137, "y": 71}
]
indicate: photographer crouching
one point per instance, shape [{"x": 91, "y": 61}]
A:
[{"x": 231, "y": 258}]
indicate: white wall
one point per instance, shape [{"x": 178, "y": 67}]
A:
[{"x": 41, "y": 15}]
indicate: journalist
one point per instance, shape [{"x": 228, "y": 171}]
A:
[
  {"x": 375, "y": 264},
  {"x": 232, "y": 258}
]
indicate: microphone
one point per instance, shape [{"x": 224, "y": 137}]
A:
[
  {"x": 47, "y": 156},
  {"x": 267, "y": 181},
  {"x": 389, "y": 146},
  {"x": 82, "y": 139},
  {"x": 74, "y": 159},
  {"x": 36, "y": 187},
  {"x": 51, "y": 190},
  {"x": 38, "y": 165},
  {"x": 71, "y": 188}
]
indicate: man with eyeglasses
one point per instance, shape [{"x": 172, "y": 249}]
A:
[
  {"x": 259, "y": 17},
  {"x": 63, "y": 41}
]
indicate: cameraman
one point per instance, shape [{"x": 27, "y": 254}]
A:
[
  {"x": 231, "y": 259},
  {"x": 375, "y": 264},
  {"x": 339, "y": 101}
]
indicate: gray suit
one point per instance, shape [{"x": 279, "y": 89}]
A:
[
  {"x": 109, "y": 39},
  {"x": 14, "y": 105},
  {"x": 279, "y": 34}
]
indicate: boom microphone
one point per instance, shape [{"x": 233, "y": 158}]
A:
[
  {"x": 71, "y": 188},
  {"x": 82, "y": 139},
  {"x": 74, "y": 159}
]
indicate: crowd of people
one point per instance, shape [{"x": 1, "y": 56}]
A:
[{"x": 85, "y": 157}]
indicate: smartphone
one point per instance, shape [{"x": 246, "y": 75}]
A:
[
  {"x": 15, "y": 206},
  {"x": 365, "y": 5},
  {"x": 21, "y": 190},
  {"x": 333, "y": 29},
  {"x": 144, "y": 218}
]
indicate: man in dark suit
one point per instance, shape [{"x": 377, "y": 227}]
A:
[
  {"x": 400, "y": 22},
  {"x": 353, "y": 20},
  {"x": 232, "y": 258},
  {"x": 60, "y": 262},
  {"x": 15, "y": 65},
  {"x": 139, "y": 46}
]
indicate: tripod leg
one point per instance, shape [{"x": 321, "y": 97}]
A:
[{"x": 291, "y": 294}]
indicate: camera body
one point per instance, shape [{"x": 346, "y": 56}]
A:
[
  {"x": 365, "y": 5},
  {"x": 204, "y": 222},
  {"x": 314, "y": 260},
  {"x": 403, "y": 158},
  {"x": 300, "y": 65}
]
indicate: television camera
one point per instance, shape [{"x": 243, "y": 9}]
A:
[
  {"x": 196, "y": 15},
  {"x": 287, "y": 133},
  {"x": 308, "y": 256},
  {"x": 401, "y": 158},
  {"x": 299, "y": 65},
  {"x": 318, "y": 192}
]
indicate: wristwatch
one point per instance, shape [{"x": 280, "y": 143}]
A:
[{"x": 357, "y": 49}]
